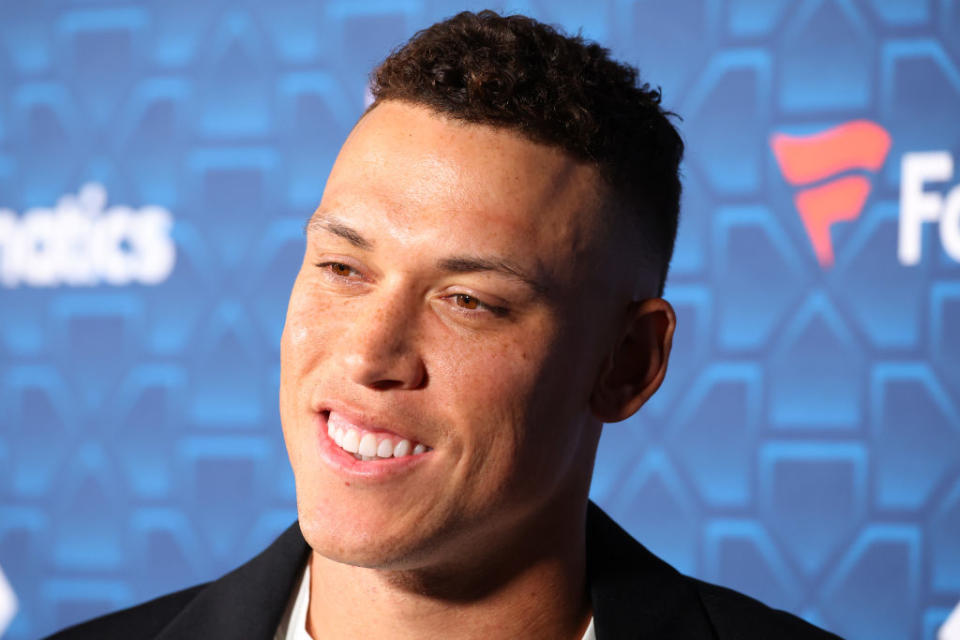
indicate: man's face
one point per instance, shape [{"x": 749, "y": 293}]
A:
[{"x": 457, "y": 292}]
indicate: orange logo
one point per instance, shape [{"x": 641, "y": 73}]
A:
[{"x": 815, "y": 162}]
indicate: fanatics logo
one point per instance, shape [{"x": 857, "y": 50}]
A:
[{"x": 824, "y": 165}]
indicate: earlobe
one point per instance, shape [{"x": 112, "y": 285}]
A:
[{"x": 637, "y": 365}]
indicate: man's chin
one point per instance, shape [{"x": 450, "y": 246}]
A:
[{"x": 361, "y": 543}]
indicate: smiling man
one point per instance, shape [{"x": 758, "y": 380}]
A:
[{"x": 480, "y": 292}]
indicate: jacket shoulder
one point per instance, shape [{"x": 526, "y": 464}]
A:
[
  {"x": 736, "y": 616},
  {"x": 636, "y": 594},
  {"x": 244, "y": 604},
  {"x": 141, "y": 621}
]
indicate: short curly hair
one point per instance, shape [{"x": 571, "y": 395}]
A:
[{"x": 516, "y": 73}]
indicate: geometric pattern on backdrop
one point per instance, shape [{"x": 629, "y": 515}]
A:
[{"x": 804, "y": 448}]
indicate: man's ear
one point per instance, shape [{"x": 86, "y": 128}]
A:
[{"x": 635, "y": 368}]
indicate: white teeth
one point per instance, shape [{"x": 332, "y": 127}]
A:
[
  {"x": 368, "y": 445},
  {"x": 351, "y": 441},
  {"x": 402, "y": 449}
]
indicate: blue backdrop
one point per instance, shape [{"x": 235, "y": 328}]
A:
[{"x": 157, "y": 161}]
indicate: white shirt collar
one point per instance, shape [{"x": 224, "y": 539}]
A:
[{"x": 293, "y": 626}]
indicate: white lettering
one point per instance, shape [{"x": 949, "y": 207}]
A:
[
  {"x": 8, "y": 599},
  {"x": 37, "y": 249},
  {"x": 154, "y": 246},
  {"x": 951, "y": 627},
  {"x": 80, "y": 243},
  {"x": 950, "y": 224},
  {"x": 8, "y": 240},
  {"x": 76, "y": 230},
  {"x": 918, "y": 206}
]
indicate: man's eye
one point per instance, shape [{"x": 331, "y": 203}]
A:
[
  {"x": 467, "y": 302},
  {"x": 338, "y": 269}
]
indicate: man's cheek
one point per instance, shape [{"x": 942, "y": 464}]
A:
[{"x": 309, "y": 328}]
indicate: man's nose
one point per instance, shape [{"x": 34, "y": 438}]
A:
[{"x": 381, "y": 351}]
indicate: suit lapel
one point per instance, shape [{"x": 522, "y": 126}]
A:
[
  {"x": 248, "y": 602},
  {"x": 634, "y": 593}
]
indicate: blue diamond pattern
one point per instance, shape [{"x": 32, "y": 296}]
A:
[{"x": 804, "y": 447}]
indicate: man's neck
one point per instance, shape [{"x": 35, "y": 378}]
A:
[{"x": 536, "y": 591}]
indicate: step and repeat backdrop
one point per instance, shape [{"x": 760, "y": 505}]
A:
[{"x": 158, "y": 161}]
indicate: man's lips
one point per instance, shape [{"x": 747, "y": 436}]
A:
[
  {"x": 366, "y": 441},
  {"x": 355, "y": 467}
]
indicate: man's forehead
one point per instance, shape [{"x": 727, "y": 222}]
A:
[
  {"x": 407, "y": 167},
  {"x": 450, "y": 148},
  {"x": 438, "y": 161}
]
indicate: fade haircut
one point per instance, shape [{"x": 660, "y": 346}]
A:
[{"x": 515, "y": 73}]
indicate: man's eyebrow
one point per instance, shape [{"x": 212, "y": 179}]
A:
[
  {"x": 334, "y": 226},
  {"x": 455, "y": 264},
  {"x": 471, "y": 264}
]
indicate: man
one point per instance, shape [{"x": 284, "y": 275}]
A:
[{"x": 479, "y": 293}]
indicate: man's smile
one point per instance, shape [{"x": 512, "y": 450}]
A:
[
  {"x": 366, "y": 444},
  {"x": 362, "y": 449}
]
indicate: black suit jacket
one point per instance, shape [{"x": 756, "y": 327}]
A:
[{"x": 634, "y": 595}]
